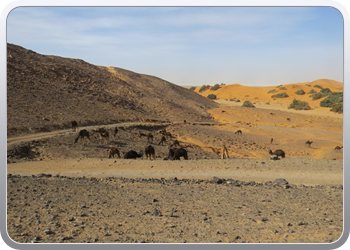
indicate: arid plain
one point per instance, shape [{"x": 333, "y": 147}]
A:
[{"x": 61, "y": 191}]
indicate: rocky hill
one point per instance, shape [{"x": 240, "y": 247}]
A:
[{"x": 48, "y": 92}]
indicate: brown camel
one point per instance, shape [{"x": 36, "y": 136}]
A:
[
  {"x": 112, "y": 151},
  {"x": 224, "y": 153},
  {"x": 338, "y": 148},
  {"x": 308, "y": 143},
  {"x": 238, "y": 132},
  {"x": 149, "y": 137},
  {"x": 162, "y": 140},
  {"x": 175, "y": 143}
]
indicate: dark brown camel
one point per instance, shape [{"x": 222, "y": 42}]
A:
[
  {"x": 82, "y": 134},
  {"x": 162, "y": 140},
  {"x": 308, "y": 143},
  {"x": 74, "y": 126},
  {"x": 238, "y": 132},
  {"x": 338, "y": 148},
  {"x": 150, "y": 152},
  {"x": 278, "y": 152}
]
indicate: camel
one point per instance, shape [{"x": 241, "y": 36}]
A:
[
  {"x": 112, "y": 151},
  {"x": 175, "y": 143},
  {"x": 132, "y": 154},
  {"x": 271, "y": 141},
  {"x": 115, "y": 132},
  {"x": 175, "y": 154},
  {"x": 82, "y": 134},
  {"x": 308, "y": 143},
  {"x": 149, "y": 137},
  {"x": 162, "y": 140},
  {"x": 149, "y": 151},
  {"x": 74, "y": 126},
  {"x": 140, "y": 134},
  {"x": 238, "y": 132},
  {"x": 224, "y": 153},
  {"x": 338, "y": 148},
  {"x": 278, "y": 152}
]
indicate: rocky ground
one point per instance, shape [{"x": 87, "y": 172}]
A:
[{"x": 45, "y": 208}]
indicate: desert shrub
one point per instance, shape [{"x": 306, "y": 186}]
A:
[
  {"x": 299, "y": 105},
  {"x": 193, "y": 88},
  {"x": 316, "y": 96},
  {"x": 312, "y": 91},
  {"x": 222, "y": 84},
  {"x": 280, "y": 95},
  {"x": 318, "y": 86},
  {"x": 325, "y": 91},
  {"x": 300, "y": 92},
  {"x": 338, "y": 108},
  {"x": 238, "y": 100},
  {"x": 332, "y": 99},
  {"x": 282, "y": 88},
  {"x": 204, "y": 87},
  {"x": 215, "y": 87},
  {"x": 248, "y": 104},
  {"x": 212, "y": 96},
  {"x": 272, "y": 91}
]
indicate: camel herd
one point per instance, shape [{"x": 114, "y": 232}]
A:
[{"x": 175, "y": 150}]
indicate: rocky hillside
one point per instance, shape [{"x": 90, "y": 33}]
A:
[{"x": 48, "y": 92}]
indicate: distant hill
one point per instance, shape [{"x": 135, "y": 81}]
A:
[
  {"x": 265, "y": 94},
  {"x": 48, "y": 92}
]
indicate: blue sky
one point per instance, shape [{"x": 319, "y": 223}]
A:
[{"x": 255, "y": 46}]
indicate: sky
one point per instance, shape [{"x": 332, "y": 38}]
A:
[{"x": 191, "y": 46}]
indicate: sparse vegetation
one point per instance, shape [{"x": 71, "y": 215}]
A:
[
  {"x": 281, "y": 87},
  {"x": 299, "y": 105},
  {"x": 272, "y": 91},
  {"x": 316, "y": 96},
  {"x": 204, "y": 87},
  {"x": 248, "y": 104},
  {"x": 334, "y": 100},
  {"x": 280, "y": 95},
  {"x": 300, "y": 92},
  {"x": 338, "y": 108},
  {"x": 312, "y": 91},
  {"x": 215, "y": 87},
  {"x": 193, "y": 88},
  {"x": 318, "y": 86},
  {"x": 212, "y": 96}
]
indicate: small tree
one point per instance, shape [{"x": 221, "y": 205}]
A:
[
  {"x": 316, "y": 96},
  {"x": 300, "y": 92},
  {"x": 212, "y": 96},
  {"x": 193, "y": 88},
  {"x": 204, "y": 87},
  {"x": 280, "y": 95},
  {"x": 215, "y": 87},
  {"x": 299, "y": 105},
  {"x": 272, "y": 91}
]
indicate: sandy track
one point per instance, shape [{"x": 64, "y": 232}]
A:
[{"x": 296, "y": 171}]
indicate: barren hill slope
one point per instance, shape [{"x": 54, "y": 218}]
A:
[{"x": 48, "y": 92}]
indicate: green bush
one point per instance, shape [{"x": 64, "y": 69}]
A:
[
  {"x": 272, "y": 91},
  {"x": 204, "y": 87},
  {"x": 299, "y": 105},
  {"x": 332, "y": 99},
  {"x": 282, "y": 88},
  {"x": 312, "y": 91},
  {"x": 318, "y": 86},
  {"x": 192, "y": 88},
  {"x": 316, "y": 96},
  {"x": 280, "y": 95},
  {"x": 248, "y": 104},
  {"x": 338, "y": 108},
  {"x": 212, "y": 96},
  {"x": 300, "y": 92},
  {"x": 215, "y": 87},
  {"x": 325, "y": 91}
]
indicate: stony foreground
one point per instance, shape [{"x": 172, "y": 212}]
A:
[{"x": 44, "y": 208}]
